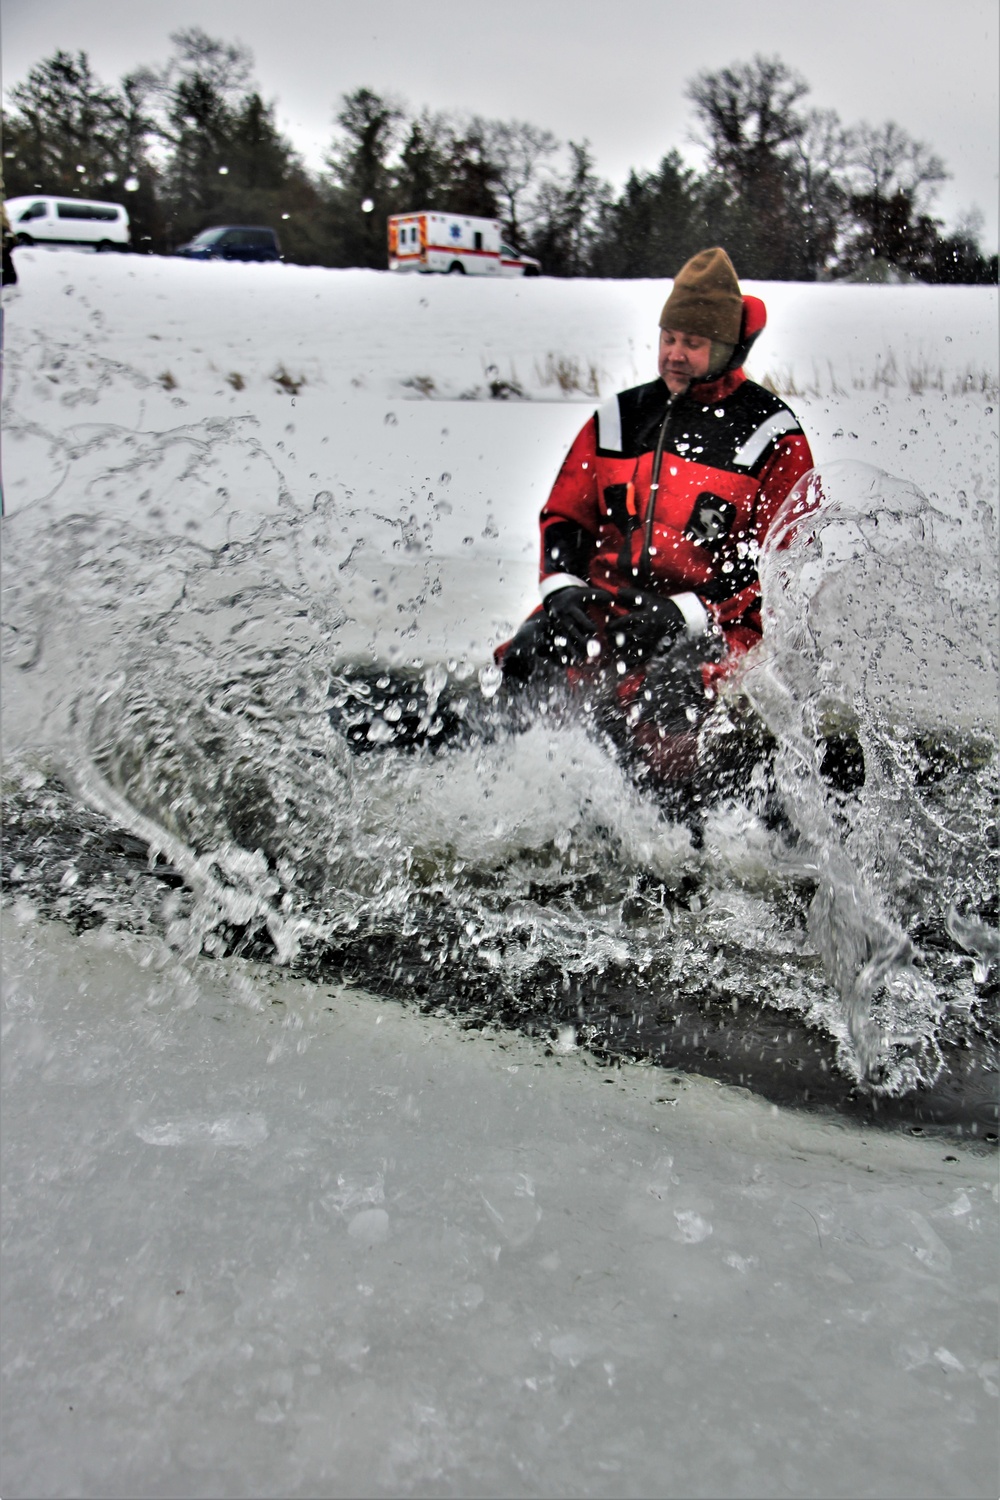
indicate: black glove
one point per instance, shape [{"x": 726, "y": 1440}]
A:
[
  {"x": 650, "y": 621},
  {"x": 569, "y": 620}
]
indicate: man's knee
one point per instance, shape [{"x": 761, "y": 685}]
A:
[{"x": 673, "y": 694}]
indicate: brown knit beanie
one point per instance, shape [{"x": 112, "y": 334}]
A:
[{"x": 706, "y": 299}]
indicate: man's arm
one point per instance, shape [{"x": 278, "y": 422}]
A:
[
  {"x": 737, "y": 595},
  {"x": 569, "y": 521},
  {"x": 732, "y": 598},
  {"x": 790, "y": 460}
]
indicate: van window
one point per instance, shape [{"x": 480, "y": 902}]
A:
[
  {"x": 477, "y": 240},
  {"x": 105, "y": 214},
  {"x": 244, "y": 239},
  {"x": 36, "y": 211}
]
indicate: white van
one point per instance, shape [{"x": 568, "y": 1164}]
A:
[
  {"x": 454, "y": 243},
  {"x": 43, "y": 220}
]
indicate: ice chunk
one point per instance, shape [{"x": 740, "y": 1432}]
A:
[{"x": 370, "y": 1226}]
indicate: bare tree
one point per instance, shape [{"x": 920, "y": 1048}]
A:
[
  {"x": 516, "y": 149},
  {"x": 822, "y": 153},
  {"x": 227, "y": 67},
  {"x": 371, "y": 126},
  {"x": 748, "y": 113},
  {"x": 885, "y": 160},
  {"x": 191, "y": 97},
  {"x": 567, "y": 215},
  {"x": 894, "y": 179},
  {"x": 749, "y": 116}
]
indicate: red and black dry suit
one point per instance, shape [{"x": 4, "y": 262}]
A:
[{"x": 731, "y": 452}]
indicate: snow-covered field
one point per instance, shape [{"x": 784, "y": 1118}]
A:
[{"x": 263, "y": 1237}]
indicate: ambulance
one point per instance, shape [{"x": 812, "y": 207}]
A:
[{"x": 456, "y": 244}]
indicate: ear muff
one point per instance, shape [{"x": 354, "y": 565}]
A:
[
  {"x": 752, "y": 324},
  {"x": 754, "y": 320}
]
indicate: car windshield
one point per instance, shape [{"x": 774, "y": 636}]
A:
[{"x": 208, "y": 237}]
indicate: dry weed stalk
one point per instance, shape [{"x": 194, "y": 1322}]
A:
[
  {"x": 567, "y": 372},
  {"x": 920, "y": 377},
  {"x": 290, "y": 383}
]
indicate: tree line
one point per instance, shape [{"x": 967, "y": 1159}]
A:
[{"x": 792, "y": 192}]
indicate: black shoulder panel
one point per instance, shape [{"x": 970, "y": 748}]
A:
[
  {"x": 629, "y": 423},
  {"x": 642, "y": 409},
  {"x": 737, "y": 432},
  {"x": 734, "y": 432}
]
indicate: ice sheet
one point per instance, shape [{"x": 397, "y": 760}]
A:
[{"x": 272, "y": 1240}]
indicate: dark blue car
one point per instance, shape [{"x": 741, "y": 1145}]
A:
[{"x": 233, "y": 242}]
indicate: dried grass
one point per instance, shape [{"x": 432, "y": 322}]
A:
[
  {"x": 569, "y": 374},
  {"x": 917, "y": 376},
  {"x": 291, "y": 384},
  {"x": 423, "y": 384},
  {"x": 503, "y": 388}
]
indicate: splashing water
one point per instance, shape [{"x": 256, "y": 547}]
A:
[
  {"x": 176, "y": 664},
  {"x": 880, "y": 611}
]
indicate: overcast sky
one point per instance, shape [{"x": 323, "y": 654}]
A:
[{"x": 613, "y": 74}]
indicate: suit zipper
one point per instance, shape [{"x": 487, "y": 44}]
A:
[{"x": 645, "y": 569}]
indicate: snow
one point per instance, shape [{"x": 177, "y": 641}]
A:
[
  {"x": 91, "y": 341},
  {"x": 268, "y": 1238}
]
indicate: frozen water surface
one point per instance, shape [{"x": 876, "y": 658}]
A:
[
  {"x": 265, "y": 1234},
  {"x": 269, "y": 1239}
]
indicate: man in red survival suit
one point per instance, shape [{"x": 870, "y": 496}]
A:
[{"x": 650, "y": 536}]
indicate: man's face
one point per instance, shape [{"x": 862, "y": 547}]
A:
[{"x": 683, "y": 357}]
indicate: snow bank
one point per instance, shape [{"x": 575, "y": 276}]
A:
[
  {"x": 355, "y": 332},
  {"x": 352, "y": 382}
]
